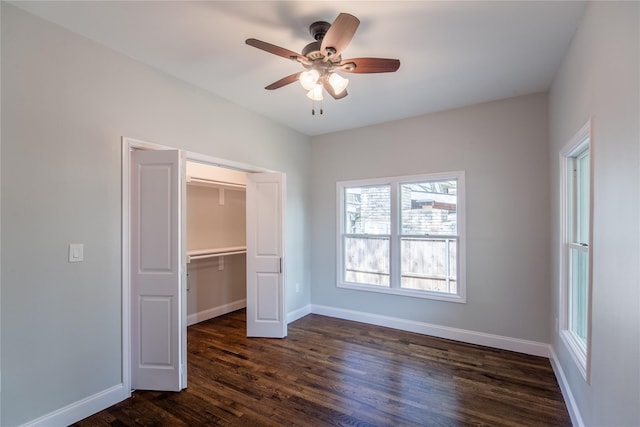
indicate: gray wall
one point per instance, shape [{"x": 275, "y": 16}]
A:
[
  {"x": 66, "y": 102},
  {"x": 599, "y": 80},
  {"x": 502, "y": 146}
]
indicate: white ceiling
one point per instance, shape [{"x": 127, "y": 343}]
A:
[{"x": 452, "y": 53}]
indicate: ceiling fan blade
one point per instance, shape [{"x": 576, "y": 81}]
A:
[
  {"x": 271, "y": 48},
  {"x": 283, "y": 81},
  {"x": 340, "y": 33},
  {"x": 370, "y": 65},
  {"x": 329, "y": 89}
]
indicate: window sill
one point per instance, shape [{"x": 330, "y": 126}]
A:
[{"x": 404, "y": 292}]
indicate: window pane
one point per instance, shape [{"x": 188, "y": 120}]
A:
[
  {"x": 429, "y": 264},
  {"x": 429, "y": 208},
  {"x": 578, "y": 281},
  {"x": 366, "y": 260},
  {"x": 582, "y": 198},
  {"x": 368, "y": 210}
]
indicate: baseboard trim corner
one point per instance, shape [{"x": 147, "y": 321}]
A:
[
  {"x": 294, "y": 315},
  {"x": 83, "y": 408},
  {"x": 472, "y": 337}
]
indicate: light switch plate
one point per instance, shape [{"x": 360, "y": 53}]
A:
[{"x": 76, "y": 252}]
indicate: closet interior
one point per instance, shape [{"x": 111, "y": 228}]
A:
[{"x": 216, "y": 241}]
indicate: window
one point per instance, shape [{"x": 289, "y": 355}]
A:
[
  {"x": 575, "y": 164},
  {"x": 367, "y": 234},
  {"x": 403, "y": 235}
]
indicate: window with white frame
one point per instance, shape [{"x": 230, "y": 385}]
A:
[
  {"x": 575, "y": 317},
  {"x": 403, "y": 235}
]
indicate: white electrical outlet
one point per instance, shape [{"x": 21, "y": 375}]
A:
[
  {"x": 76, "y": 252},
  {"x": 297, "y": 287}
]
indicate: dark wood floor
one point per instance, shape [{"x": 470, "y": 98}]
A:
[{"x": 331, "y": 372}]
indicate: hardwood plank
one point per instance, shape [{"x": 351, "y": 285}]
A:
[{"x": 332, "y": 372}]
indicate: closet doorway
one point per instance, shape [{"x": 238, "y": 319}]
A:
[
  {"x": 216, "y": 241},
  {"x": 158, "y": 250}
]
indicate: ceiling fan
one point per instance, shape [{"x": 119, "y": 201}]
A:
[{"x": 323, "y": 58}]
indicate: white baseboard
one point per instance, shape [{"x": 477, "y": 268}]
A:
[
  {"x": 201, "y": 316},
  {"x": 82, "y": 408},
  {"x": 294, "y": 315},
  {"x": 480, "y": 338},
  {"x": 572, "y": 406}
]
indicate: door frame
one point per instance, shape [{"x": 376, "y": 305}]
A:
[{"x": 128, "y": 145}]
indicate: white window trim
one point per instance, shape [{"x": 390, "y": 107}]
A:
[
  {"x": 580, "y": 353},
  {"x": 393, "y": 182}
]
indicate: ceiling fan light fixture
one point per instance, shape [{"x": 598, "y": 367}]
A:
[
  {"x": 315, "y": 93},
  {"x": 309, "y": 78},
  {"x": 338, "y": 83},
  {"x": 323, "y": 57}
]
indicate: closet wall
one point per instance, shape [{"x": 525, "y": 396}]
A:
[{"x": 216, "y": 241}]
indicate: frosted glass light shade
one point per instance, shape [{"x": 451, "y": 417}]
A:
[
  {"x": 315, "y": 93},
  {"x": 309, "y": 78},
  {"x": 338, "y": 83}
]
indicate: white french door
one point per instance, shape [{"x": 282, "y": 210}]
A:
[
  {"x": 265, "y": 231},
  {"x": 158, "y": 294}
]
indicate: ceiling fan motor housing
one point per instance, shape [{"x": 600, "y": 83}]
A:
[
  {"x": 320, "y": 58},
  {"x": 318, "y": 29},
  {"x": 312, "y": 51}
]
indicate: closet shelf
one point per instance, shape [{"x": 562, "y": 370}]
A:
[
  {"x": 204, "y": 182},
  {"x": 213, "y": 253}
]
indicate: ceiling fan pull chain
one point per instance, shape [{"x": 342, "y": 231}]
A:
[{"x": 313, "y": 108}]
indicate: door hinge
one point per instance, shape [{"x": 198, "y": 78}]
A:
[{"x": 280, "y": 265}]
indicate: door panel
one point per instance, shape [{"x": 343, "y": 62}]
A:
[
  {"x": 156, "y": 234},
  {"x": 265, "y": 231},
  {"x": 268, "y": 296},
  {"x": 268, "y": 218},
  {"x": 155, "y": 331},
  {"x": 158, "y": 338}
]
